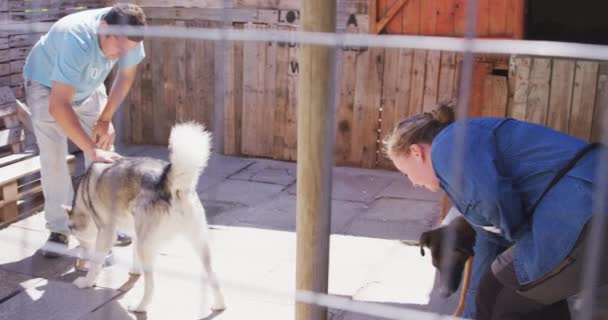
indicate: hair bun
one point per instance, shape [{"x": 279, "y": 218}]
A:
[{"x": 444, "y": 113}]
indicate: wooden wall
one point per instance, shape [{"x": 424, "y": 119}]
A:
[
  {"x": 15, "y": 45},
  {"x": 179, "y": 80},
  {"x": 565, "y": 94}
]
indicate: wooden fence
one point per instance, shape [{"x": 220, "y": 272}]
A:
[{"x": 180, "y": 80}]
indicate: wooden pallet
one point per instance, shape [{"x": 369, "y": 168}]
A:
[
  {"x": 21, "y": 189},
  {"x": 20, "y": 185}
]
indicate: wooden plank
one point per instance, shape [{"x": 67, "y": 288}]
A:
[
  {"x": 345, "y": 101},
  {"x": 373, "y": 16},
  {"x": 515, "y": 18},
  {"x": 411, "y": 17},
  {"x": 196, "y": 70},
  {"x": 134, "y": 122},
  {"x": 4, "y": 44},
  {"x": 388, "y": 101},
  {"x": 13, "y": 158},
  {"x": 445, "y": 18},
  {"x": 458, "y": 74},
  {"x": 583, "y": 99},
  {"x": 447, "y": 76},
  {"x": 291, "y": 115},
  {"x": 281, "y": 101},
  {"x": 402, "y": 95},
  {"x": 182, "y": 3},
  {"x": 8, "y": 110},
  {"x": 24, "y": 40},
  {"x": 16, "y": 79},
  {"x": 16, "y": 66},
  {"x": 520, "y": 73},
  {"x": 428, "y": 18},
  {"x": 460, "y": 20},
  {"x": 158, "y": 131},
  {"x": 366, "y": 107},
  {"x": 405, "y": 82},
  {"x": 16, "y": 5},
  {"x": 15, "y": 171},
  {"x": 601, "y": 102},
  {"x": 483, "y": 18},
  {"x": 391, "y": 16},
  {"x": 495, "y": 96},
  {"x": 25, "y": 116},
  {"x": 180, "y": 72},
  {"x": 149, "y": 92},
  {"x": 431, "y": 80},
  {"x": 253, "y": 94},
  {"x": 497, "y": 24},
  {"x": 481, "y": 71},
  {"x": 233, "y": 69},
  {"x": 233, "y": 98},
  {"x": 10, "y": 136},
  {"x": 8, "y": 202},
  {"x": 49, "y": 15},
  {"x": 537, "y": 100},
  {"x": 267, "y": 4},
  {"x": 560, "y": 100},
  {"x": 19, "y": 53},
  {"x": 417, "y": 87},
  {"x": 269, "y": 99}
]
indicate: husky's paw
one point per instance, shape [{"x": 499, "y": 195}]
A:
[
  {"x": 218, "y": 306},
  {"x": 134, "y": 271},
  {"x": 138, "y": 308},
  {"x": 83, "y": 282}
]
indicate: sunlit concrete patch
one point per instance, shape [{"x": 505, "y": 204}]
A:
[
  {"x": 403, "y": 276},
  {"x": 55, "y": 300},
  {"x": 279, "y": 213},
  {"x": 245, "y": 192},
  {"x": 401, "y": 187},
  {"x": 12, "y": 283},
  {"x": 20, "y": 254},
  {"x": 269, "y": 171}
]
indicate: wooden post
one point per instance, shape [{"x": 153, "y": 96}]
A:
[{"x": 315, "y": 157}]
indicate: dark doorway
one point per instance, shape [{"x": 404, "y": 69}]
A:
[{"x": 584, "y": 21}]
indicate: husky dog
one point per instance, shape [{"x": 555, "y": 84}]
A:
[{"x": 154, "y": 200}]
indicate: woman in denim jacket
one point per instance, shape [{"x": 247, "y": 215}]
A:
[{"x": 495, "y": 171}]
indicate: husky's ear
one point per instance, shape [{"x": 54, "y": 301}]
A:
[
  {"x": 67, "y": 209},
  {"x": 425, "y": 241}
]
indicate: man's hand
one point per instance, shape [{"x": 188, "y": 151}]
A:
[
  {"x": 103, "y": 135},
  {"x": 99, "y": 155}
]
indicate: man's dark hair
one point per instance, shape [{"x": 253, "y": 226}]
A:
[{"x": 126, "y": 14}]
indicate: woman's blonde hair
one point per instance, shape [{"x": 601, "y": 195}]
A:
[{"x": 419, "y": 128}]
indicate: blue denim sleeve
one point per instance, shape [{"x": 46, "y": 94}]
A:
[{"x": 486, "y": 249}]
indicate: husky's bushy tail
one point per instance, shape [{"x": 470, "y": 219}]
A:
[{"x": 190, "y": 148}]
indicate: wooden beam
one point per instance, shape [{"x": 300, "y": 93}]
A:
[
  {"x": 373, "y": 15},
  {"x": 392, "y": 11},
  {"x": 315, "y": 158}
]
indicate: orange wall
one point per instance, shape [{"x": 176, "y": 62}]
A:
[{"x": 495, "y": 18}]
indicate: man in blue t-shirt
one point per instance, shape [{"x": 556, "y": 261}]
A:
[{"x": 64, "y": 88}]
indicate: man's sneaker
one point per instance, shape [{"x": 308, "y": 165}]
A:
[
  {"x": 122, "y": 240},
  {"x": 56, "y": 243}
]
